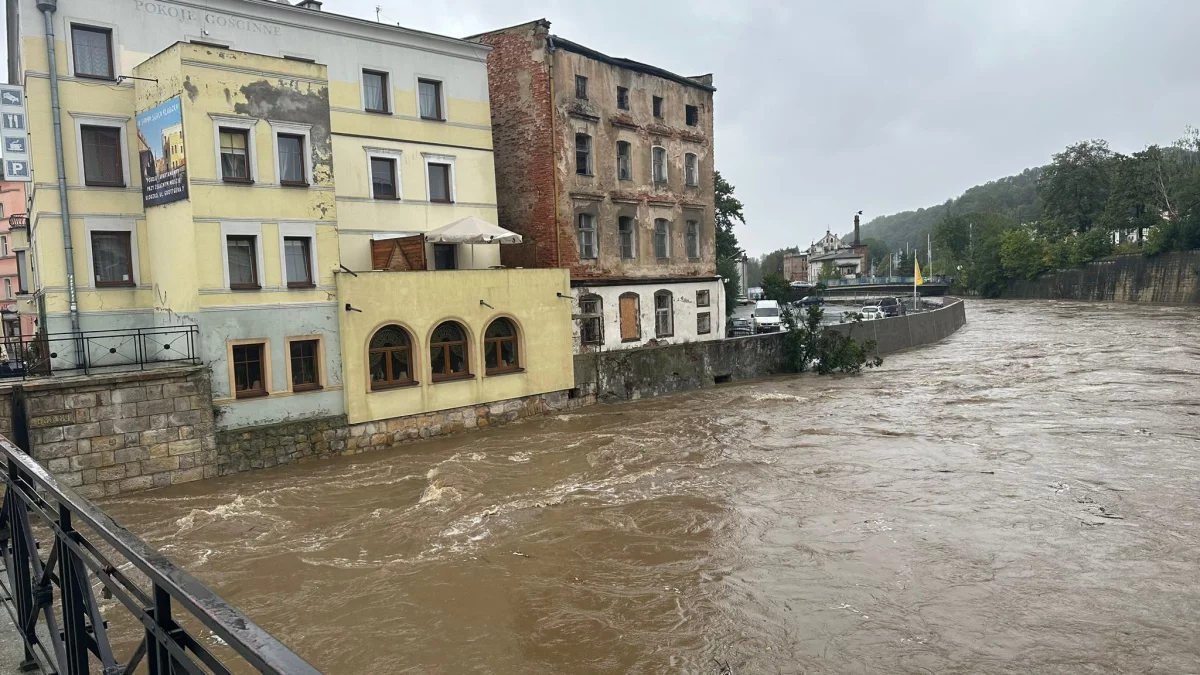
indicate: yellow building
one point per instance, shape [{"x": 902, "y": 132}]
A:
[{"x": 235, "y": 170}]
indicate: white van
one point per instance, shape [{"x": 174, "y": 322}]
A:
[{"x": 766, "y": 316}]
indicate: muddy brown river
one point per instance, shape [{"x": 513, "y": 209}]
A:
[{"x": 1023, "y": 497}]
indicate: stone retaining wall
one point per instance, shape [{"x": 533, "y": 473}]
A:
[
  {"x": 121, "y": 432},
  {"x": 654, "y": 371},
  {"x": 1167, "y": 278}
]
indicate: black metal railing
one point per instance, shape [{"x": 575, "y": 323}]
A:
[
  {"x": 45, "y": 354},
  {"x": 89, "y": 548}
]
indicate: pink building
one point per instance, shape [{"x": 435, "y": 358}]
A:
[{"x": 12, "y": 203}]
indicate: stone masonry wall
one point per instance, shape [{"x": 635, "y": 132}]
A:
[
  {"x": 115, "y": 433},
  {"x": 1167, "y": 278},
  {"x": 267, "y": 446}
]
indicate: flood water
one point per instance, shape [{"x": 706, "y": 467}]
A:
[{"x": 1022, "y": 497}]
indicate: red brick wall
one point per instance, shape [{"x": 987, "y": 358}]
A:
[{"x": 522, "y": 133}]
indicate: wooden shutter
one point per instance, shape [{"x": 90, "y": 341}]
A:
[
  {"x": 402, "y": 254},
  {"x": 629, "y": 318}
]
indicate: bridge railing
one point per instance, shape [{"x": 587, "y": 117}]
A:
[
  {"x": 866, "y": 281},
  {"x": 54, "y": 608}
]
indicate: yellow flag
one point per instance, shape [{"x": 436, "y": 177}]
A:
[{"x": 919, "y": 280}]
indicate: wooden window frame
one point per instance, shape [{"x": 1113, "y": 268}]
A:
[
  {"x": 318, "y": 362},
  {"x": 587, "y": 317},
  {"x": 656, "y": 103},
  {"x": 691, "y": 170},
  {"x": 120, "y": 182},
  {"x": 390, "y": 382},
  {"x": 108, "y": 33},
  {"x": 707, "y": 298},
  {"x": 264, "y": 355},
  {"x": 303, "y": 182},
  {"x": 384, "y": 86},
  {"x": 688, "y": 239},
  {"x": 633, "y": 238},
  {"x": 637, "y": 316},
  {"x": 628, "y": 163},
  {"x": 437, "y": 90},
  {"x": 516, "y": 342},
  {"x": 240, "y": 286},
  {"x": 583, "y": 168},
  {"x": 445, "y": 347},
  {"x": 128, "y": 258},
  {"x": 308, "y": 262},
  {"x": 448, "y": 168},
  {"x": 622, "y": 98},
  {"x": 706, "y": 316},
  {"x": 392, "y": 163},
  {"x": 670, "y": 309},
  {"x": 245, "y": 134},
  {"x": 691, "y": 115},
  {"x": 666, "y": 239},
  {"x": 581, "y": 87},
  {"x": 654, "y": 152},
  {"x": 592, "y": 235}
]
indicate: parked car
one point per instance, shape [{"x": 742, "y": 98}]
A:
[
  {"x": 743, "y": 300},
  {"x": 739, "y": 326},
  {"x": 810, "y": 300},
  {"x": 766, "y": 316},
  {"x": 892, "y": 307},
  {"x": 871, "y": 312}
]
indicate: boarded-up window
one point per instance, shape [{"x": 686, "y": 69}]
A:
[
  {"x": 630, "y": 322},
  {"x": 401, "y": 254}
]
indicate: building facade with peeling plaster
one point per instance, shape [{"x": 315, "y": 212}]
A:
[
  {"x": 606, "y": 166},
  {"x": 270, "y": 214}
]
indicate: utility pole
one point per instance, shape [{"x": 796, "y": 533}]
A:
[{"x": 378, "y": 9}]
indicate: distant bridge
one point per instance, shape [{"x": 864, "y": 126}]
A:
[{"x": 868, "y": 287}]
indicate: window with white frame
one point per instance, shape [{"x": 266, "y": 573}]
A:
[
  {"x": 3, "y": 245},
  {"x": 439, "y": 178},
  {"x": 658, "y": 157},
  {"x": 7, "y": 288},
  {"x": 298, "y": 255},
  {"x": 92, "y": 48},
  {"x": 112, "y": 252},
  {"x": 587, "y": 235},
  {"x": 704, "y": 323},
  {"x": 624, "y": 161},
  {"x": 662, "y": 238},
  {"x": 583, "y": 154},
  {"x": 591, "y": 325},
  {"x": 243, "y": 255},
  {"x": 102, "y": 150},
  {"x": 664, "y": 318},
  {"x": 233, "y": 139},
  {"x": 691, "y": 171},
  {"x": 693, "y": 239},
  {"x": 293, "y": 147},
  {"x": 375, "y": 91},
  {"x": 383, "y": 165}
]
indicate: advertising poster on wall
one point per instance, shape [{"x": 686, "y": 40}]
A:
[{"x": 160, "y": 153}]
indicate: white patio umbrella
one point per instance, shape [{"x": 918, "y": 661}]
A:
[{"x": 472, "y": 230}]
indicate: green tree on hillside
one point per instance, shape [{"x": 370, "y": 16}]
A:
[{"x": 1075, "y": 189}]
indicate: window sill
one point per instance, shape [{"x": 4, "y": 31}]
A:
[
  {"x": 378, "y": 112},
  {"x": 663, "y": 261},
  {"x": 237, "y": 181},
  {"x": 691, "y": 259},
  {"x": 307, "y": 285},
  {"x": 506, "y": 371},
  {"x": 122, "y": 284},
  {"x": 242, "y": 395},
  {"x": 453, "y": 378},
  {"x": 245, "y": 287},
  {"x": 86, "y": 76},
  {"x": 636, "y": 339},
  {"x": 293, "y": 184},
  {"x": 385, "y": 198},
  {"x": 441, "y": 201},
  {"x": 120, "y": 186},
  {"x": 585, "y": 175},
  {"x": 433, "y": 119},
  {"x": 389, "y": 387},
  {"x": 304, "y": 389},
  {"x": 664, "y": 335}
]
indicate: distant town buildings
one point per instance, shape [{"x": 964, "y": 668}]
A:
[
  {"x": 828, "y": 258},
  {"x": 605, "y": 166}
]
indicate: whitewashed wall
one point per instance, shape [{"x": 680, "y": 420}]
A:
[{"x": 683, "y": 302}]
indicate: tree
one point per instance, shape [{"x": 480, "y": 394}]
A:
[
  {"x": 877, "y": 250},
  {"x": 772, "y": 263},
  {"x": 776, "y": 288},
  {"x": 728, "y": 212},
  {"x": 1075, "y": 188},
  {"x": 1022, "y": 254}
]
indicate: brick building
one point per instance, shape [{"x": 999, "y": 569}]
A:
[{"x": 605, "y": 166}]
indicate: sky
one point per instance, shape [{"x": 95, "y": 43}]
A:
[{"x": 827, "y": 108}]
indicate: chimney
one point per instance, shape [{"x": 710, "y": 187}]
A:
[
  {"x": 314, "y": 5},
  {"x": 857, "y": 241}
]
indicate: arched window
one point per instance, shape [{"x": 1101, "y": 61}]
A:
[
  {"x": 664, "y": 319},
  {"x": 631, "y": 320},
  {"x": 591, "y": 326},
  {"x": 500, "y": 347},
  {"x": 448, "y": 352},
  {"x": 390, "y": 358}
]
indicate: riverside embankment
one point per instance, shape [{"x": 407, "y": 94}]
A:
[
  {"x": 1017, "y": 498},
  {"x": 1167, "y": 278}
]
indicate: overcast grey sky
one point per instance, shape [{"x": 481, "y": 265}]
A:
[{"x": 824, "y": 108}]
